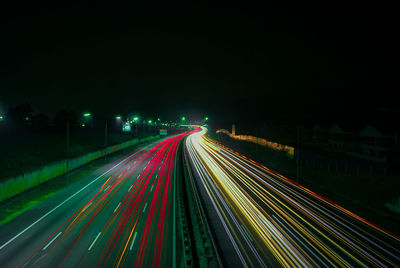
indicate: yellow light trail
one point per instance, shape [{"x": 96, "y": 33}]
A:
[{"x": 298, "y": 227}]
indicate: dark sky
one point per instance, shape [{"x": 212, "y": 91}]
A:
[{"x": 228, "y": 62}]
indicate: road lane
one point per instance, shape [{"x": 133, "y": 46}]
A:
[
  {"x": 120, "y": 217},
  {"x": 270, "y": 220}
]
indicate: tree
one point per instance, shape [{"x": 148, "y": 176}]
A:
[
  {"x": 40, "y": 120},
  {"x": 22, "y": 112}
]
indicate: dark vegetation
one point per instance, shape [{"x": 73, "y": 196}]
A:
[{"x": 29, "y": 140}]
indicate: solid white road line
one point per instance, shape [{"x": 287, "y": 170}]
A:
[
  {"x": 52, "y": 240},
  {"x": 133, "y": 241},
  {"x": 94, "y": 241},
  {"x": 62, "y": 203}
]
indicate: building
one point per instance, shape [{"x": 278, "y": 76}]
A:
[
  {"x": 373, "y": 143},
  {"x": 339, "y": 139}
]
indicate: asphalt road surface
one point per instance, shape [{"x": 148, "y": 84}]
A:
[
  {"x": 124, "y": 214},
  {"x": 119, "y": 215},
  {"x": 261, "y": 218}
]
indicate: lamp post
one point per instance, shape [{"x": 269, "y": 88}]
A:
[
  {"x": 86, "y": 117},
  {"x": 135, "y": 119},
  {"x": 105, "y": 135},
  {"x": 150, "y": 126},
  {"x": 67, "y": 153}
]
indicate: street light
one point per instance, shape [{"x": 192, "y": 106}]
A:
[
  {"x": 206, "y": 118},
  {"x": 86, "y": 117},
  {"x": 136, "y": 119},
  {"x": 118, "y": 117}
]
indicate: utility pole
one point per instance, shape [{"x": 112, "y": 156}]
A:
[
  {"x": 105, "y": 135},
  {"x": 67, "y": 154},
  {"x": 105, "y": 140},
  {"x": 257, "y": 134}
]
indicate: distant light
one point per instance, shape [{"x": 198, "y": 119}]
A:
[
  {"x": 83, "y": 125},
  {"x": 131, "y": 121},
  {"x": 183, "y": 118},
  {"x": 86, "y": 114},
  {"x": 118, "y": 117},
  {"x": 135, "y": 118},
  {"x": 126, "y": 127},
  {"x": 150, "y": 121},
  {"x": 158, "y": 119},
  {"x": 206, "y": 118},
  {"x": 1, "y": 117},
  {"x": 26, "y": 118}
]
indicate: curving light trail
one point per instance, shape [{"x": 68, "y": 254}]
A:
[{"x": 269, "y": 219}]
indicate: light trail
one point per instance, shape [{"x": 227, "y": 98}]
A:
[
  {"x": 133, "y": 204},
  {"x": 272, "y": 220}
]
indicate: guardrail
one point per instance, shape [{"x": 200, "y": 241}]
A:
[{"x": 198, "y": 248}]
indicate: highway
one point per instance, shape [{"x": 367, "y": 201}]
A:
[
  {"x": 259, "y": 218},
  {"x": 129, "y": 212},
  {"x": 120, "y": 215}
]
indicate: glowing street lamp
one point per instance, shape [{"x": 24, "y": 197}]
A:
[
  {"x": 118, "y": 117},
  {"x": 87, "y": 115},
  {"x": 206, "y": 118},
  {"x": 183, "y": 118}
]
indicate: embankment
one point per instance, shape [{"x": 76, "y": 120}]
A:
[{"x": 13, "y": 186}]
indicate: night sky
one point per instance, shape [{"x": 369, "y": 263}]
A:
[{"x": 230, "y": 63}]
